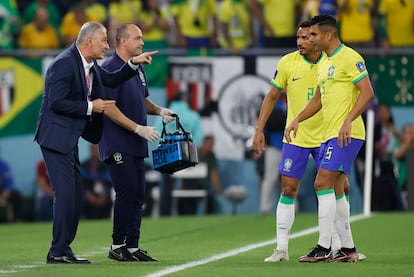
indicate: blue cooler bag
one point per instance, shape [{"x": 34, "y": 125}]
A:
[{"x": 176, "y": 151}]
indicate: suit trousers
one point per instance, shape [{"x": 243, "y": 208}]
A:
[{"x": 64, "y": 175}]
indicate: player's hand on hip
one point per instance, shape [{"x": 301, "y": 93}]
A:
[{"x": 147, "y": 132}]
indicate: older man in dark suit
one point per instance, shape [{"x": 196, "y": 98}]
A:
[{"x": 73, "y": 103}]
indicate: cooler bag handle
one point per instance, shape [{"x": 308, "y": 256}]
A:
[
  {"x": 163, "y": 133},
  {"x": 178, "y": 126}
]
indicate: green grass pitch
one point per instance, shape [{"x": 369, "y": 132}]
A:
[{"x": 387, "y": 239}]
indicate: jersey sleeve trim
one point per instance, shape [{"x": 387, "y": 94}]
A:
[
  {"x": 276, "y": 85},
  {"x": 360, "y": 78}
]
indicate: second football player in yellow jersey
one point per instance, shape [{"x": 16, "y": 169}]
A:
[{"x": 298, "y": 75}]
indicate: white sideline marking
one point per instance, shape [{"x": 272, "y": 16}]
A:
[{"x": 237, "y": 251}]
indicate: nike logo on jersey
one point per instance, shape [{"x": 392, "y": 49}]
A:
[{"x": 295, "y": 79}]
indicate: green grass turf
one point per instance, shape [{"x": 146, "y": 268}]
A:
[{"x": 387, "y": 239}]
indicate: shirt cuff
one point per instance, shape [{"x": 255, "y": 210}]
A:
[
  {"x": 133, "y": 66},
  {"x": 90, "y": 108}
]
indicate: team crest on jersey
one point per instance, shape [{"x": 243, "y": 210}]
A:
[
  {"x": 361, "y": 66},
  {"x": 287, "y": 165},
  {"x": 142, "y": 77},
  {"x": 118, "y": 158},
  {"x": 331, "y": 71}
]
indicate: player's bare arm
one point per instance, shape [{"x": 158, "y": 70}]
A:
[
  {"x": 365, "y": 96},
  {"x": 313, "y": 106},
  {"x": 268, "y": 103}
]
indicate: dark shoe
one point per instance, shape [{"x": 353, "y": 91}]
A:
[
  {"x": 142, "y": 256},
  {"x": 120, "y": 254},
  {"x": 65, "y": 260},
  {"x": 317, "y": 254},
  {"x": 351, "y": 255},
  {"x": 338, "y": 256}
]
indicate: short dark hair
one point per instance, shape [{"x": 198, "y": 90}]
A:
[
  {"x": 325, "y": 20},
  {"x": 304, "y": 24}
]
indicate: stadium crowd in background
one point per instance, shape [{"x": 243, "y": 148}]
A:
[
  {"x": 400, "y": 157},
  {"x": 210, "y": 23},
  {"x": 10, "y": 197},
  {"x": 386, "y": 192}
]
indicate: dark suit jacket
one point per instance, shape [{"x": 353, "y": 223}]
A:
[{"x": 62, "y": 118}]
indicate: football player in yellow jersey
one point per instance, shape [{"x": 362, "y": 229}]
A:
[
  {"x": 297, "y": 74},
  {"x": 344, "y": 91}
]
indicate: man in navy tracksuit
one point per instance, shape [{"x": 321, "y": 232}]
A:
[{"x": 124, "y": 146}]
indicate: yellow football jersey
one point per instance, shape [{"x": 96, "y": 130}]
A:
[
  {"x": 337, "y": 77},
  {"x": 299, "y": 77}
]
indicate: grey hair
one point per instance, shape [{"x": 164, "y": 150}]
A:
[{"x": 88, "y": 30}]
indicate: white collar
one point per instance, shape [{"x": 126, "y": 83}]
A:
[{"x": 85, "y": 64}]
